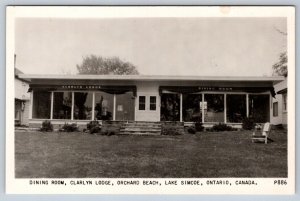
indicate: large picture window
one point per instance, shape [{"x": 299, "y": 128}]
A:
[
  {"x": 41, "y": 105},
  {"x": 213, "y": 107},
  {"x": 104, "y": 106},
  {"x": 170, "y": 107},
  {"x": 62, "y": 105},
  {"x": 125, "y": 106},
  {"x": 191, "y": 104},
  {"x": 83, "y": 105},
  {"x": 236, "y": 108},
  {"x": 259, "y": 108}
]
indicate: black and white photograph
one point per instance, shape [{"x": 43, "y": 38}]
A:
[{"x": 151, "y": 99}]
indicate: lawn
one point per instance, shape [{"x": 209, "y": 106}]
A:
[{"x": 203, "y": 155}]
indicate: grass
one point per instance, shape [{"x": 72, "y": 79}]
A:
[{"x": 204, "y": 155}]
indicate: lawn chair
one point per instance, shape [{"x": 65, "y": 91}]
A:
[{"x": 264, "y": 135}]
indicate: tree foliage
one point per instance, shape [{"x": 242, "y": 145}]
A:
[
  {"x": 280, "y": 68},
  {"x": 112, "y": 65}
]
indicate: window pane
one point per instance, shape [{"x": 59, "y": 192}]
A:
[
  {"x": 214, "y": 107},
  {"x": 142, "y": 102},
  {"x": 236, "y": 108},
  {"x": 152, "y": 102},
  {"x": 275, "y": 109},
  {"x": 41, "y": 105},
  {"x": 104, "y": 106},
  {"x": 170, "y": 107},
  {"x": 259, "y": 108},
  {"x": 191, "y": 107},
  {"x": 83, "y": 105},
  {"x": 284, "y": 100},
  {"x": 62, "y": 105},
  {"x": 125, "y": 106}
]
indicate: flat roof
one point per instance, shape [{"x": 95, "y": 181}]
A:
[{"x": 30, "y": 77}]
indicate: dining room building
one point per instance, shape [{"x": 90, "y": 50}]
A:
[{"x": 207, "y": 99}]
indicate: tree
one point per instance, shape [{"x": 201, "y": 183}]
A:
[
  {"x": 112, "y": 65},
  {"x": 280, "y": 68}
]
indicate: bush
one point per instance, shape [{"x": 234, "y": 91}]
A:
[
  {"x": 221, "y": 127},
  {"x": 248, "y": 123},
  {"x": 93, "y": 127},
  {"x": 47, "y": 126},
  {"x": 95, "y": 130},
  {"x": 199, "y": 126},
  {"x": 169, "y": 131},
  {"x": 191, "y": 130},
  {"x": 69, "y": 127}
]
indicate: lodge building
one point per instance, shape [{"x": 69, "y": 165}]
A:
[{"x": 210, "y": 100}]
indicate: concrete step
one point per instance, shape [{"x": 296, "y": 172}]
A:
[
  {"x": 141, "y": 127},
  {"x": 140, "y": 130},
  {"x": 140, "y": 133}
]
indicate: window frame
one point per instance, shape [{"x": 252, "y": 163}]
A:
[
  {"x": 152, "y": 104},
  {"x": 142, "y": 105},
  {"x": 275, "y": 111}
]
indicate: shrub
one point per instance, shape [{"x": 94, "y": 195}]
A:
[
  {"x": 199, "y": 126},
  {"x": 169, "y": 130},
  {"x": 47, "y": 126},
  {"x": 221, "y": 127},
  {"x": 248, "y": 123},
  {"x": 95, "y": 130},
  {"x": 69, "y": 127},
  {"x": 191, "y": 130},
  {"x": 93, "y": 127}
]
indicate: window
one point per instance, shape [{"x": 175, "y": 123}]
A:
[
  {"x": 125, "y": 106},
  {"x": 236, "y": 108},
  {"x": 104, "y": 106},
  {"x": 41, "y": 105},
  {"x": 191, "y": 107},
  {"x": 275, "y": 109},
  {"x": 83, "y": 106},
  {"x": 170, "y": 107},
  {"x": 259, "y": 107},
  {"x": 62, "y": 105},
  {"x": 152, "y": 102},
  {"x": 284, "y": 100},
  {"x": 142, "y": 102},
  {"x": 214, "y": 107}
]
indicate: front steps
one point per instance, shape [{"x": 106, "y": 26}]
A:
[{"x": 141, "y": 128}]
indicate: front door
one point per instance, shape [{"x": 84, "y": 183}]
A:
[
  {"x": 170, "y": 107},
  {"x": 147, "y": 107}
]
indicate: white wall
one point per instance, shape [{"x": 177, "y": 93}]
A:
[
  {"x": 21, "y": 89},
  {"x": 282, "y": 115}
]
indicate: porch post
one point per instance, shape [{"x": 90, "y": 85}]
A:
[
  {"x": 51, "y": 108},
  {"x": 31, "y": 105},
  {"x": 225, "y": 108},
  {"x": 72, "y": 108},
  {"x": 114, "y": 112},
  {"x": 247, "y": 105},
  {"x": 93, "y": 107},
  {"x": 181, "y": 107},
  {"x": 202, "y": 109}
]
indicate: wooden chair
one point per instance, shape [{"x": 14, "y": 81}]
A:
[{"x": 263, "y": 135}]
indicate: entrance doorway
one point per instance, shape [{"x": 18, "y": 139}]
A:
[{"x": 170, "y": 107}]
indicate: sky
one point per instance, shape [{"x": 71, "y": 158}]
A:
[{"x": 156, "y": 46}]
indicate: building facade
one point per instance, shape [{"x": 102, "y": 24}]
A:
[
  {"x": 22, "y": 100},
  {"x": 188, "y": 99},
  {"x": 280, "y": 106}
]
